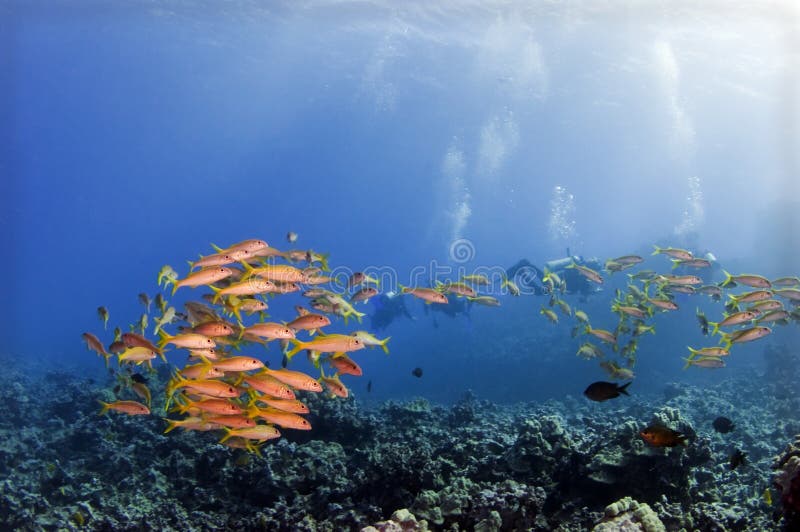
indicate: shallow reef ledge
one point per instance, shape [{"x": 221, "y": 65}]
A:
[{"x": 562, "y": 465}]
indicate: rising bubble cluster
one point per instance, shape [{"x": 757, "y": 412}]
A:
[
  {"x": 693, "y": 213},
  {"x": 561, "y": 225}
]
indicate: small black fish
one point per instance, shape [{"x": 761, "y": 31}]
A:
[
  {"x": 603, "y": 391},
  {"x": 284, "y": 361},
  {"x": 701, "y": 318},
  {"x": 417, "y": 372},
  {"x": 138, "y": 377},
  {"x": 369, "y": 386},
  {"x": 117, "y": 389},
  {"x": 723, "y": 425},
  {"x": 737, "y": 458}
]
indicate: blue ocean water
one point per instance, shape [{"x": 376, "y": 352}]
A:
[{"x": 136, "y": 135}]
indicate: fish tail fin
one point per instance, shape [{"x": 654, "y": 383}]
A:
[
  {"x": 174, "y": 384},
  {"x": 323, "y": 261},
  {"x": 175, "y": 287},
  {"x": 727, "y": 342},
  {"x": 228, "y": 435},
  {"x": 714, "y": 327},
  {"x": 254, "y": 448},
  {"x": 205, "y": 362},
  {"x": 728, "y": 279},
  {"x": 216, "y": 293},
  {"x": 358, "y": 315},
  {"x": 693, "y": 351},
  {"x": 675, "y": 263},
  {"x": 299, "y": 346},
  {"x": 238, "y": 313},
  {"x": 646, "y": 286},
  {"x": 253, "y": 396},
  {"x": 171, "y": 424},
  {"x": 164, "y": 338},
  {"x": 727, "y": 345},
  {"x": 216, "y": 248},
  {"x": 688, "y": 362},
  {"x": 105, "y": 407},
  {"x": 657, "y": 250},
  {"x": 383, "y": 344},
  {"x": 622, "y": 389},
  {"x": 248, "y": 268}
]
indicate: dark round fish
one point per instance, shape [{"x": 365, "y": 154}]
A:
[
  {"x": 417, "y": 372},
  {"x": 603, "y": 391},
  {"x": 737, "y": 458},
  {"x": 723, "y": 425},
  {"x": 138, "y": 377},
  {"x": 701, "y": 318}
]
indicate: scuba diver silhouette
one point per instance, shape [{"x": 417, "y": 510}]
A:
[{"x": 526, "y": 274}]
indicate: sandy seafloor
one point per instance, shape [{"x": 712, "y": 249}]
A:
[{"x": 474, "y": 465}]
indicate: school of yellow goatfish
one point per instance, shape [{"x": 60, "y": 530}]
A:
[{"x": 249, "y": 402}]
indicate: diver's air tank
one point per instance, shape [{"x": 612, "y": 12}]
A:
[{"x": 559, "y": 264}]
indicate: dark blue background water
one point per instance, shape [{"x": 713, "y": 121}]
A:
[{"x": 134, "y": 136}]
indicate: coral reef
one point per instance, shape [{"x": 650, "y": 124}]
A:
[
  {"x": 401, "y": 521},
  {"x": 561, "y": 465},
  {"x": 627, "y": 514},
  {"x": 787, "y": 481}
]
